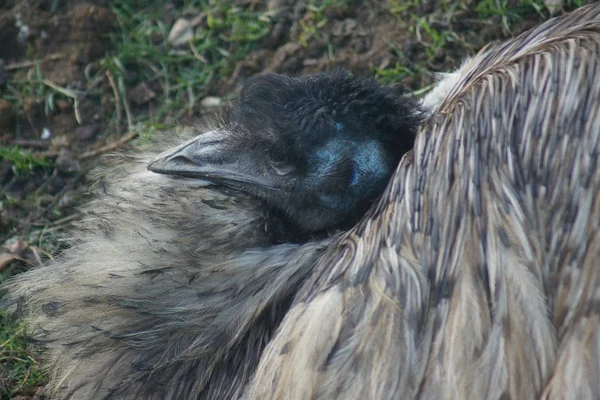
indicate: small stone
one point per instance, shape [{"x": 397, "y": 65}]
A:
[
  {"x": 183, "y": 30},
  {"x": 387, "y": 60},
  {"x": 344, "y": 28},
  {"x": 60, "y": 141},
  {"x": 211, "y": 101},
  {"x": 141, "y": 94},
  {"x": 86, "y": 132},
  {"x": 45, "y": 134},
  {"x": 554, "y": 5},
  {"x": 181, "y": 33},
  {"x": 66, "y": 162},
  {"x": 310, "y": 62},
  {"x": 63, "y": 105},
  {"x": 7, "y": 115}
]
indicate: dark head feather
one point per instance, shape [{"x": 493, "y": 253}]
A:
[{"x": 316, "y": 149}]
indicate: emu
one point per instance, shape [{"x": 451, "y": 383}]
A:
[
  {"x": 173, "y": 287},
  {"x": 477, "y": 274},
  {"x": 474, "y": 276}
]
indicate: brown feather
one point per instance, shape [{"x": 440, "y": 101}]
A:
[{"x": 476, "y": 276}]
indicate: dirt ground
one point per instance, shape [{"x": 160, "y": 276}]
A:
[{"x": 62, "y": 45}]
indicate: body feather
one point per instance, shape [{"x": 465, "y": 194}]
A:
[{"x": 477, "y": 274}]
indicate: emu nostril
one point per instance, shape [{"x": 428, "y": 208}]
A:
[{"x": 281, "y": 168}]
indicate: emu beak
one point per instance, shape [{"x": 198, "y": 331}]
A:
[{"x": 211, "y": 156}]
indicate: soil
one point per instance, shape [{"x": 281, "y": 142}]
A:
[{"x": 68, "y": 38}]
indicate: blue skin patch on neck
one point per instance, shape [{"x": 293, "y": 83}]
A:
[
  {"x": 330, "y": 154},
  {"x": 370, "y": 164},
  {"x": 326, "y": 159},
  {"x": 370, "y": 169}
]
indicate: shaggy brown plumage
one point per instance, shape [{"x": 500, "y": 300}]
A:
[
  {"x": 170, "y": 291},
  {"x": 477, "y": 276}
]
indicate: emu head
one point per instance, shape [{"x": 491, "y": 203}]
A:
[{"x": 317, "y": 149}]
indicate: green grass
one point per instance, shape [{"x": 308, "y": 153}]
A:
[
  {"x": 182, "y": 74},
  {"x": 141, "y": 54},
  {"x": 20, "y": 370},
  {"x": 395, "y": 74},
  {"x": 315, "y": 19},
  {"x": 507, "y": 13},
  {"x": 34, "y": 86},
  {"x": 439, "y": 29},
  {"x": 435, "y": 39},
  {"x": 24, "y": 162}
]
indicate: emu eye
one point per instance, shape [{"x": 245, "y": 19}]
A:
[{"x": 281, "y": 168}]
